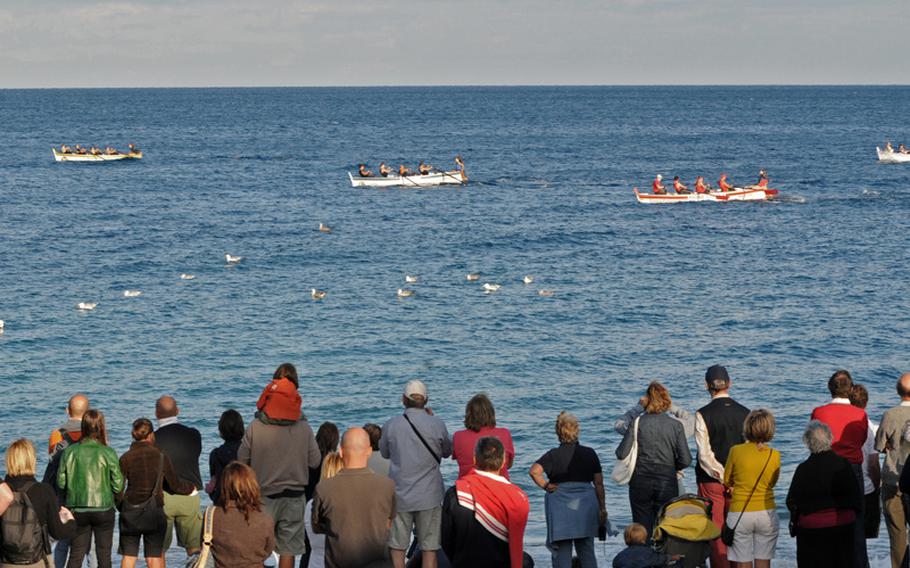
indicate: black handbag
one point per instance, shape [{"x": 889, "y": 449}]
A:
[
  {"x": 728, "y": 534},
  {"x": 146, "y": 517}
]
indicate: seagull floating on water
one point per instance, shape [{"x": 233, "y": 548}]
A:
[
  {"x": 187, "y": 276},
  {"x": 491, "y": 287},
  {"x": 411, "y": 279},
  {"x": 86, "y": 306},
  {"x": 546, "y": 293},
  {"x": 528, "y": 279},
  {"x": 324, "y": 228},
  {"x": 2, "y": 325},
  {"x": 473, "y": 277},
  {"x": 232, "y": 259},
  {"x": 402, "y": 293},
  {"x": 131, "y": 293},
  {"x": 317, "y": 294}
]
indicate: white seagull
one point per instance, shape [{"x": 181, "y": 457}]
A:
[
  {"x": 86, "y": 306},
  {"x": 528, "y": 279},
  {"x": 131, "y": 293},
  {"x": 402, "y": 293},
  {"x": 317, "y": 294},
  {"x": 232, "y": 259},
  {"x": 2, "y": 325},
  {"x": 410, "y": 279},
  {"x": 473, "y": 277},
  {"x": 187, "y": 276},
  {"x": 491, "y": 287},
  {"x": 324, "y": 228}
]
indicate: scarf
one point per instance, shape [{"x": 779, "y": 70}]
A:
[{"x": 499, "y": 506}]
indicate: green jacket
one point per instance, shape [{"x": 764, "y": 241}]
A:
[{"x": 90, "y": 475}]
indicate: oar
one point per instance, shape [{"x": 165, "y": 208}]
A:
[
  {"x": 447, "y": 174},
  {"x": 409, "y": 179}
]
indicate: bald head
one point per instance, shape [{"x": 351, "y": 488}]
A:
[
  {"x": 355, "y": 448},
  {"x": 166, "y": 407},
  {"x": 77, "y": 407},
  {"x": 903, "y": 386}
]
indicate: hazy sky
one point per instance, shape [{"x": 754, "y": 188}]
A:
[{"x": 92, "y": 43}]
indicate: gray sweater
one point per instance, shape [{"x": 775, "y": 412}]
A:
[
  {"x": 889, "y": 440},
  {"x": 280, "y": 455},
  {"x": 662, "y": 447}
]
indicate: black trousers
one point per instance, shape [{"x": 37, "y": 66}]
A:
[
  {"x": 647, "y": 496},
  {"x": 101, "y": 525},
  {"x": 825, "y": 548}
]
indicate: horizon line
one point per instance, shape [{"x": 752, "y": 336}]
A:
[{"x": 466, "y": 85}]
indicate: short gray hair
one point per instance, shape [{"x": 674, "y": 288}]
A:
[{"x": 818, "y": 437}]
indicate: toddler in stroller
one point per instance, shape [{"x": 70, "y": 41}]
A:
[{"x": 685, "y": 529}]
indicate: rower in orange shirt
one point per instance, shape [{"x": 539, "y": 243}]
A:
[
  {"x": 679, "y": 187},
  {"x": 722, "y": 183},
  {"x": 657, "y": 187},
  {"x": 762, "y": 179},
  {"x": 700, "y": 186}
]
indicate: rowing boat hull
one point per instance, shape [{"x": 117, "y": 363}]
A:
[
  {"x": 429, "y": 180},
  {"x": 60, "y": 157},
  {"x": 738, "y": 194},
  {"x": 886, "y": 157}
]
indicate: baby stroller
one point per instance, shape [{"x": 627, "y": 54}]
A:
[{"x": 684, "y": 527}]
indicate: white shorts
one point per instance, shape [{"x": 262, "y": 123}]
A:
[{"x": 756, "y": 536}]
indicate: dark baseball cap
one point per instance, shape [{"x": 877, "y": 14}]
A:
[{"x": 717, "y": 378}]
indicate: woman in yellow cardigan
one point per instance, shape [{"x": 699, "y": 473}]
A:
[{"x": 751, "y": 471}]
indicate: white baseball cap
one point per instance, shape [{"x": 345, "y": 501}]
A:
[
  {"x": 660, "y": 176},
  {"x": 415, "y": 387}
]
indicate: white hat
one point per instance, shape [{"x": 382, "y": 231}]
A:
[
  {"x": 660, "y": 176},
  {"x": 415, "y": 387}
]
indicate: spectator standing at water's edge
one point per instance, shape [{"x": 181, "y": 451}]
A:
[
  {"x": 662, "y": 451},
  {"x": 244, "y": 534},
  {"x": 872, "y": 472},
  {"x": 183, "y": 445},
  {"x": 415, "y": 443},
  {"x": 718, "y": 427},
  {"x": 147, "y": 471},
  {"x": 331, "y": 465},
  {"x": 355, "y": 508},
  {"x": 230, "y": 428},
  {"x": 90, "y": 475},
  {"x": 889, "y": 440},
  {"x": 376, "y": 462},
  {"x": 484, "y": 515},
  {"x": 575, "y": 502},
  {"x": 327, "y": 438},
  {"x": 849, "y": 429},
  {"x": 751, "y": 472},
  {"x": 281, "y": 448},
  {"x": 480, "y": 422}
]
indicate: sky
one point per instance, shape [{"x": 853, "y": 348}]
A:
[{"x": 199, "y": 43}]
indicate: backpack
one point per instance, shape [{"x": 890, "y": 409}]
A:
[
  {"x": 24, "y": 537},
  {"x": 50, "y": 472}
]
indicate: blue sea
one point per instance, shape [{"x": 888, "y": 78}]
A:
[{"x": 781, "y": 293}]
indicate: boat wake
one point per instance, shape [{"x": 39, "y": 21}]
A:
[{"x": 798, "y": 199}]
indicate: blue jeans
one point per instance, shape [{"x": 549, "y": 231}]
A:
[
  {"x": 562, "y": 553},
  {"x": 62, "y": 552}
]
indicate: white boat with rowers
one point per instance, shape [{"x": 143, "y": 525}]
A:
[
  {"x": 74, "y": 157},
  {"x": 432, "y": 179},
  {"x": 753, "y": 193},
  {"x": 887, "y": 156}
]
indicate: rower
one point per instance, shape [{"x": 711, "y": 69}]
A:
[
  {"x": 134, "y": 149},
  {"x": 889, "y": 148},
  {"x": 722, "y": 183},
  {"x": 95, "y": 151},
  {"x": 364, "y": 172},
  {"x": 110, "y": 151},
  {"x": 679, "y": 187},
  {"x": 384, "y": 170},
  {"x": 64, "y": 149},
  {"x": 424, "y": 169},
  {"x": 656, "y": 186},
  {"x": 459, "y": 165},
  {"x": 403, "y": 171},
  {"x": 902, "y": 150},
  {"x": 762, "y": 179},
  {"x": 700, "y": 186}
]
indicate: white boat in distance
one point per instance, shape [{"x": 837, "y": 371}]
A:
[
  {"x": 891, "y": 157},
  {"x": 432, "y": 179},
  {"x": 70, "y": 157},
  {"x": 737, "y": 194}
]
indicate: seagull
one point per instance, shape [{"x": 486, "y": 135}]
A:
[
  {"x": 473, "y": 277},
  {"x": 317, "y": 294},
  {"x": 232, "y": 259},
  {"x": 491, "y": 287},
  {"x": 324, "y": 228},
  {"x": 410, "y": 279},
  {"x": 86, "y": 306},
  {"x": 546, "y": 293},
  {"x": 187, "y": 276},
  {"x": 528, "y": 279},
  {"x": 131, "y": 293},
  {"x": 2, "y": 324},
  {"x": 402, "y": 293}
]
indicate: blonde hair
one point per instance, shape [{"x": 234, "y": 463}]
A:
[
  {"x": 331, "y": 465},
  {"x": 657, "y": 398},
  {"x": 567, "y": 427},
  {"x": 20, "y": 458},
  {"x": 635, "y": 534},
  {"x": 759, "y": 426}
]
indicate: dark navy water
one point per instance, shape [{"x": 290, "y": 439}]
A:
[{"x": 781, "y": 293}]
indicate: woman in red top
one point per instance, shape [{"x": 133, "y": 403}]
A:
[
  {"x": 762, "y": 179},
  {"x": 700, "y": 186},
  {"x": 722, "y": 183},
  {"x": 480, "y": 422}
]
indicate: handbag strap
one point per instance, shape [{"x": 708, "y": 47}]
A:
[
  {"x": 208, "y": 530},
  {"x": 754, "y": 487},
  {"x": 419, "y": 435}
]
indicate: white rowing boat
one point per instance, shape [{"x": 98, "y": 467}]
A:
[
  {"x": 69, "y": 157},
  {"x": 737, "y": 194},
  {"x": 454, "y": 177},
  {"x": 891, "y": 157}
]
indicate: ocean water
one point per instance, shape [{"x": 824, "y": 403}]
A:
[{"x": 781, "y": 293}]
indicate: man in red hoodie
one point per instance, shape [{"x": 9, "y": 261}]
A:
[
  {"x": 849, "y": 427},
  {"x": 484, "y": 515}
]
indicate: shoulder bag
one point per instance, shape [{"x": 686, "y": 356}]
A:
[
  {"x": 208, "y": 530},
  {"x": 624, "y": 468},
  {"x": 727, "y": 534},
  {"x": 145, "y": 517},
  {"x": 425, "y": 444}
]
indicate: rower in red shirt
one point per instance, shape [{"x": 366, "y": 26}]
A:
[
  {"x": 722, "y": 183},
  {"x": 700, "y": 186},
  {"x": 657, "y": 187},
  {"x": 678, "y": 186},
  {"x": 762, "y": 179}
]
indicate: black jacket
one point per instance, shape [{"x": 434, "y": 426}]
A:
[
  {"x": 824, "y": 481},
  {"x": 183, "y": 445}
]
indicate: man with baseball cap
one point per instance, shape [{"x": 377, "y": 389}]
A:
[
  {"x": 415, "y": 443},
  {"x": 718, "y": 427}
]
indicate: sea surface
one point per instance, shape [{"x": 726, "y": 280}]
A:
[{"x": 781, "y": 293}]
